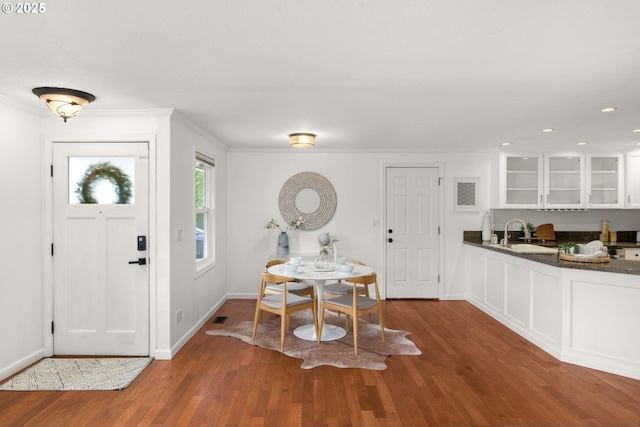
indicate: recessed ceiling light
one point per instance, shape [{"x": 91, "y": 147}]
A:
[
  {"x": 608, "y": 109},
  {"x": 506, "y": 143},
  {"x": 637, "y": 143},
  {"x": 636, "y": 130},
  {"x": 547, "y": 130},
  {"x": 582, "y": 143}
]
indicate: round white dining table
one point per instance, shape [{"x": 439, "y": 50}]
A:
[{"x": 319, "y": 276}]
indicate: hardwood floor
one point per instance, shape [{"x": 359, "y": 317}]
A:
[{"x": 473, "y": 371}]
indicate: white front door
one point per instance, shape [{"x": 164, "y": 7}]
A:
[
  {"x": 412, "y": 232},
  {"x": 100, "y": 226}
]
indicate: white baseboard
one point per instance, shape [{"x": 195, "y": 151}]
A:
[
  {"x": 242, "y": 296},
  {"x": 191, "y": 332},
  {"x": 19, "y": 365}
]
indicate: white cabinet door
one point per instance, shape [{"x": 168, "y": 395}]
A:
[
  {"x": 521, "y": 181},
  {"x": 564, "y": 181},
  {"x": 633, "y": 180},
  {"x": 536, "y": 181},
  {"x": 605, "y": 181}
]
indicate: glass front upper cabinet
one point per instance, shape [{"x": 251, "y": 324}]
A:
[
  {"x": 564, "y": 185},
  {"x": 605, "y": 181},
  {"x": 543, "y": 181},
  {"x": 522, "y": 181}
]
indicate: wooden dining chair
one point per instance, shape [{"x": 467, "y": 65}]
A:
[
  {"x": 282, "y": 304},
  {"x": 355, "y": 305},
  {"x": 332, "y": 290},
  {"x": 295, "y": 286}
]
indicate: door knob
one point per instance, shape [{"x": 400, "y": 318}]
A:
[
  {"x": 390, "y": 240},
  {"x": 140, "y": 261}
]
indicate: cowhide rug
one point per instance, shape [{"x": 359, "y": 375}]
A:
[{"x": 372, "y": 352}]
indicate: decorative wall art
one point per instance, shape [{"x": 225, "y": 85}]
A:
[
  {"x": 465, "y": 197},
  {"x": 309, "y": 196}
]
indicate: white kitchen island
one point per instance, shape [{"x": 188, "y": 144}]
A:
[{"x": 586, "y": 317}]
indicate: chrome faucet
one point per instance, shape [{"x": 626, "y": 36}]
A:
[{"x": 505, "y": 241}]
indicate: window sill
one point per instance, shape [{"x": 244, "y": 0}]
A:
[{"x": 202, "y": 267}]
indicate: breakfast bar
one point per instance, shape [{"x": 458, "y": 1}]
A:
[{"x": 582, "y": 313}]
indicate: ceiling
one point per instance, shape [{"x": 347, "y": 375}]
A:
[{"x": 400, "y": 75}]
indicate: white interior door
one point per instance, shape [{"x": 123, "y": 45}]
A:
[
  {"x": 100, "y": 207},
  {"x": 412, "y": 232}
]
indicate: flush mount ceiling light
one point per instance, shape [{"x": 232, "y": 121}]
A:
[
  {"x": 65, "y": 103},
  {"x": 302, "y": 140}
]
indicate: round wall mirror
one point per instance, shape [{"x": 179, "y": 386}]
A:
[
  {"x": 307, "y": 201},
  {"x": 309, "y": 196}
]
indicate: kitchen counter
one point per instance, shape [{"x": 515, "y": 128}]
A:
[
  {"x": 613, "y": 266},
  {"x": 582, "y": 313}
]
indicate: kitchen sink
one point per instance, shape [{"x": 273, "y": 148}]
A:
[{"x": 526, "y": 248}]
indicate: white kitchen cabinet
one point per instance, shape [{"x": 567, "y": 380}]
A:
[
  {"x": 605, "y": 181},
  {"x": 535, "y": 181},
  {"x": 633, "y": 180},
  {"x": 564, "y": 184},
  {"x": 588, "y": 318},
  {"x": 521, "y": 181}
]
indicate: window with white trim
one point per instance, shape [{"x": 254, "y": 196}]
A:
[{"x": 204, "y": 211}]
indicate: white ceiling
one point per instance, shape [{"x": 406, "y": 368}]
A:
[{"x": 445, "y": 75}]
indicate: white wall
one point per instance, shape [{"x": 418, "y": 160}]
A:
[
  {"x": 198, "y": 296},
  {"x": 21, "y": 302},
  {"x": 173, "y": 284},
  {"x": 26, "y": 291},
  {"x": 255, "y": 180}
]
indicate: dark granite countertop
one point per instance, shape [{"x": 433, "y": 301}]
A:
[{"x": 613, "y": 266}]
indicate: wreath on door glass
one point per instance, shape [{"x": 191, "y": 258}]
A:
[{"x": 109, "y": 172}]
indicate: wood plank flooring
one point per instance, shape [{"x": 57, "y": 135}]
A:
[{"x": 473, "y": 371}]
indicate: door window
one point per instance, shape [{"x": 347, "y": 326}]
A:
[{"x": 101, "y": 180}]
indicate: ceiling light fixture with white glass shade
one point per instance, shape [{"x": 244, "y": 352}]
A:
[
  {"x": 302, "y": 140},
  {"x": 65, "y": 103}
]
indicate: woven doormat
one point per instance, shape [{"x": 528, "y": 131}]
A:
[{"x": 111, "y": 373}]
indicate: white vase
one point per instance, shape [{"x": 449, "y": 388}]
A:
[{"x": 486, "y": 227}]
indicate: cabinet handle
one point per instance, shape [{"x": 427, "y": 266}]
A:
[
  {"x": 540, "y": 199},
  {"x": 589, "y": 198},
  {"x": 629, "y": 199},
  {"x": 547, "y": 198}
]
